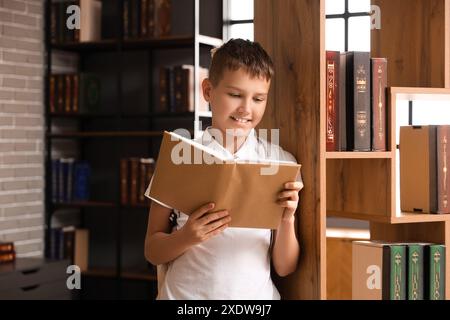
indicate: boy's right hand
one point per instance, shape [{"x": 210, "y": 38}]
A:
[{"x": 203, "y": 224}]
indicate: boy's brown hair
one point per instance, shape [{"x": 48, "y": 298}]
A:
[{"x": 239, "y": 53}]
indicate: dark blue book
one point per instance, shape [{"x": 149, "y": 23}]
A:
[
  {"x": 82, "y": 174},
  {"x": 55, "y": 180}
]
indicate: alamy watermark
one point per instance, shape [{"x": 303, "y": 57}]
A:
[
  {"x": 375, "y": 17},
  {"x": 74, "y": 280},
  {"x": 74, "y": 19},
  {"x": 183, "y": 153}
]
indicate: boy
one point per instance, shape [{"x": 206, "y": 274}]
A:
[{"x": 205, "y": 259}]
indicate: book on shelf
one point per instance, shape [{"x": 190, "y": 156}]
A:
[
  {"x": 443, "y": 166},
  {"x": 70, "y": 243},
  {"x": 74, "y": 93},
  {"x": 7, "y": 252},
  {"x": 378, "y": 271},
  {"x": 332, "y": 100},
  {"x": 135, "y": 175},
  {"x": 418, "y": 169},
  {"x": 434, "y": 271},
  {"x": 378, "y": 107},
  {"x": 176, "y": 89},
  {"x": 398, "y": 270},
  {"x": 90, "y": 21},
  {"x": 356, "y": 110},
  {"x": 247, "y": 189},
  {"x": 146, "y": 18},
  {"x": 70, "y": 180}
]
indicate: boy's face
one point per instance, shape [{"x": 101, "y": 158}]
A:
[{"x": 237, "y": 102}]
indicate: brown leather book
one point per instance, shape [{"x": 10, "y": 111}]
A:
[
  {"x": 358, "y": 101},
  {"x": 332, "y": 101},
  {"x": 134, "y": 178},
  {"x": 379, "y": 107},
  {"x": 6, "y": 247},
  {"x": 60, "y": 94},
  {"x": 52, "y": 98},
  {"x": 75, "y": 92},
  {"x": 443, "y": 164},
  {"x": 151, "y": 17},
  {"x": 124, "y": 188},
  {"x": 7, "y": 257},
  {"x": 142, "y": 186},
  {"x": 163, "y": 17},
  {"x": 163, "y": 91},
  {"x": 126, "y": 19},
  {"x": 144, "y": 19},
  {"x": 68, "y": 93}
]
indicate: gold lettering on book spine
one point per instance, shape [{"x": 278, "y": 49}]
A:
[
  {"x": 437, "y": 275},
  {"x": 380, "y": 104},
  {"x": 415, "y": 275},
  {"x": 361, "y": 87},
  {"x": 330, "y": 97},
  {"x": 397, "y": 277},
  {"x": 444, "y": 170}
]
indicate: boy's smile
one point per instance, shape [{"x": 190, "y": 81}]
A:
[{"x": 237, "y": 102}]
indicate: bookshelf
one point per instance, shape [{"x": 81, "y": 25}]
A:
[
  {"x": 127, "y": 125},
  {"x": 354, "y": 185}
]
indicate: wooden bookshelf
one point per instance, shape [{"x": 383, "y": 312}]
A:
[
  {"x": 84, "y": 204},
  {"x": 168, "y": 42},
  {"x": 352, "y": 185}
]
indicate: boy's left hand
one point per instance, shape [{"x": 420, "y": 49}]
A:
[{"x": 288, "y": 198}]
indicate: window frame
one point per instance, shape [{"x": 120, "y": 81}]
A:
[{"x": 228, "y": 22}]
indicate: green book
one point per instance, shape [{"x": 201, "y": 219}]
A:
[
  {"x": 435, "y": 272},
  {"x": 378, "y": 270},
  {"x": 415, "y": 267},
  {"x": 395, "y": 257}
]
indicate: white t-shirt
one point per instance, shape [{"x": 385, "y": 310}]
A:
[{"x": 234, "y": 264}]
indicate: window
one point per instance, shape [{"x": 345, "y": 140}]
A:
[
  {"x": 347, "y": 25},
  {"x": 238, "y": 19}
]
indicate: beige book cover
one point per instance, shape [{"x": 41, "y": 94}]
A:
[
  {"x": 189, "y": 175},
  {"x": 91, "y": 20}
]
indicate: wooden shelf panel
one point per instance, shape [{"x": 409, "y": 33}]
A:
[
  {"x": 429, "y": 94},
  {"x": 105, "y": 134},
  {"x": 359, "y": 155},
  {"x": 402, "y": 217},
  {"x": 83, "y": 204},
  {"x": 130, "y": 116},
  {"x": 169, "y": 42}
]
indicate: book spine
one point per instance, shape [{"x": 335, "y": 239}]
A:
[
  {"x": 142, "y": 176},
  {"x": 54, "y": 23},
  {"x": 342, "y": 103},
  {"x": 151, "y": 18},
  {"x": 75, "y": 92},
  {"x": 379, "y": 84},
  {"x": 55, "y": 180},
  {"x": 178, "y": 89},
  {"x": 415, "y": 272},
  {"x": 144, "y": 18},
  {"x": 163, "y": 21},
  {"x": 394, "y": 272},
  {"x": 435, "y": 269},
  {"x": 432, "y": 163},
  {"x": 124, "y": 188},
  {"x": 332, "y": 106},
  {"x": 68, "y": 93},
  {"x": 7, "y": 257},
  {"x": 163, "y": 103},
  {"x": 134, "y": 167},
  {"x": 6, "y": 247},
  {"x": 60, "y": 94},
  {"x": 52, "y": 93},
  {"x": 126, "y": 19},
  {"x": 358, "y": 117},
  {"x": 69, "y": 180},
  {"x": 443, "y": 174},
  {"x": 82, "y": 172}
]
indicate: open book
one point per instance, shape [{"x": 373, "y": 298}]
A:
[{"x": 189, "y": 175}]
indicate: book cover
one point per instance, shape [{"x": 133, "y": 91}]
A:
[
  {"x": 435, "y": 269},
  {"x": 332, "y": 87},
  {"x": 378, "y": 88},
  {"x": 378, "y": 271},
  {"x": 358, "y": 101},
  {"x": 247, "y": 189},
  {"x": 91, "y": 20},
  {"x": 443, "y": 163},
  {"x": 418, "y": 173}
]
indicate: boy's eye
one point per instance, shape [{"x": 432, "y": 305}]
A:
[
  {"x": 234, "y": 95},
  {"x": 258, "y": 99}
]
